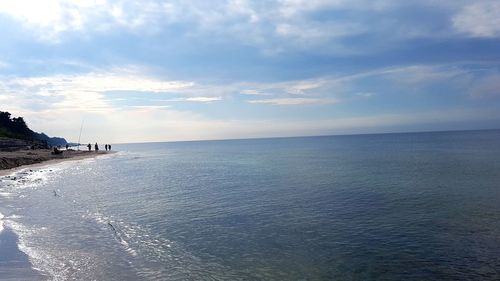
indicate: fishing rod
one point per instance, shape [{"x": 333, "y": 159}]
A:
[{"x": 81, "y": 127}]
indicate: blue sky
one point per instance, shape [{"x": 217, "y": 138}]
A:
[{"x": 183, "y": 70}]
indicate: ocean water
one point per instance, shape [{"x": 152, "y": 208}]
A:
[{"x": 417, "y": 206}]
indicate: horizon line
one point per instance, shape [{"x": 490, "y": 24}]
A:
[{"x": 312, "y": 136}]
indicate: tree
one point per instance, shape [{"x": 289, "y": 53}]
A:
[
  {"x": 4, "y": 118},
  {"x": 15, "y": 127},
  {"x": 18, "y": 129}
]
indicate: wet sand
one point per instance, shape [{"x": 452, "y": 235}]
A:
[
  {"x": 9, "y": 161},
  {"x": 15, "y": 264}
]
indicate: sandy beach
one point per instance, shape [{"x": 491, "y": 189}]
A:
[{"x": 9, "y": 161}]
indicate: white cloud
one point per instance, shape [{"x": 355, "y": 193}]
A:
[
  {"x": 419, "y": 75},
  {"x": 51, "y": 18},
  {"x": 487, "y": 86},
  {"x": 461, "y": 79},
  {"x": 344, "y": 88},
  {"x": 479, "y": 19},
  {"x": 365, "y": 94},
  {"x": 307, "y": 33},
  {"x": 204, "y": 99},
  {"x": 131, "y": 124},
  {"x": 83, "y": 92},
  {"x": 251, "y": 92},
  {"x": 101, "y": 82},
  {"x": 294, "y": 8},
  {"x": 57, "y": 104},
  {"x": 149, "y": 107},
  {"x": 302, "y": 87},
  {"x": 295, "y": 101},
  {"x": 313, "y": 87},
  {"x": 274, "y": 26}
]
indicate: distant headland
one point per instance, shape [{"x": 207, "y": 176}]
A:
[
  {"x": 15, "y": 128},
  {"x": 19, "y": 145}
]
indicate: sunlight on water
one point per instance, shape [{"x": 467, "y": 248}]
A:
[{"x": 380, "y": 207}]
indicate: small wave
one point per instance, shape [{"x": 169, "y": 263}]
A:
[
  {"x": 116, "y": 232},
  {"x": 5, "y": 194},
  {"x": 120, "y": 239},
  {"x": 37, "y": 258},
  {"x": 26, "y": 178},
  {"x": 1, "y": 222}
]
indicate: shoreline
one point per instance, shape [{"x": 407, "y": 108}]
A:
[
  {"x": 10, "y": 162},
  {"x": 15, "y": 264}
]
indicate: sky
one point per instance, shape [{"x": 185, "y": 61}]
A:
[{"x": 151, "y": 70}]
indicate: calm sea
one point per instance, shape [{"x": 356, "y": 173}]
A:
[{"x": 417, "y": 206}]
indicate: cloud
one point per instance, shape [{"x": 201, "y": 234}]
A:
[
  {"x": 302, "y": 87},
  {"x": 306, "y": 34},
  {"x": 126, "y": 104},
  {"x": 130, "y": 124},
  {"x": 91, "y": 91},
  {"x": 57, "y": 104},
  {"x": 190, "y": 99},
  {"x": 457, "y": 81},
  {"x": 149, "y": 107},
  {"x": 294, "y": 101},
  {"x": 273, "y": 27},
  {"x": 486, "y": 86},
  {"x": 52, "y": 18},
  {"x": 420, "y": 75},
  {"x": 385, "y": 41},
  {"x": 114, "y": 80},
  {"x": 479, "y": 19},
  {"x": 314, "y": 91},
  {"x": 294, "y": 8},
  {"x": 365, "y": 94},
  {"x": 251, "y": 92},
  {"x": 81, "y": 92},
  {"x": 204, "y": 99},
  {"x": 338, "y": 88}
]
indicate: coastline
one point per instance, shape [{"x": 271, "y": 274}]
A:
[
  {"x": 14, "y": 263},
  {"x": 11, "y": 162}
]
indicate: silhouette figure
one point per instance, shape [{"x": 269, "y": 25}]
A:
[
  {"x": 109, "y": 147},
  {"x": 96, "y": 147},
  {"x": 89, "y": 146},
  {"x": 57, "y": 151}
]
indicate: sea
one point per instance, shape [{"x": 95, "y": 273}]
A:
[{"x": 405, "y": 206}]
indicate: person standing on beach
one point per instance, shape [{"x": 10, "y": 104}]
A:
[
  {"x": 89, "y": 146},
  {"x": 109, "y": 147},
  {"x": 96, "y": 147},
  {"x": 106, "y": 147}
]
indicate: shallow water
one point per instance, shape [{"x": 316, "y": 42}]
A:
[{"x": 373, "y": 207}]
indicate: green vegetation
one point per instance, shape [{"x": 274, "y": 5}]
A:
[
  {"x": 14, "y": 127},
  {"x": 17, "y": 128}
]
